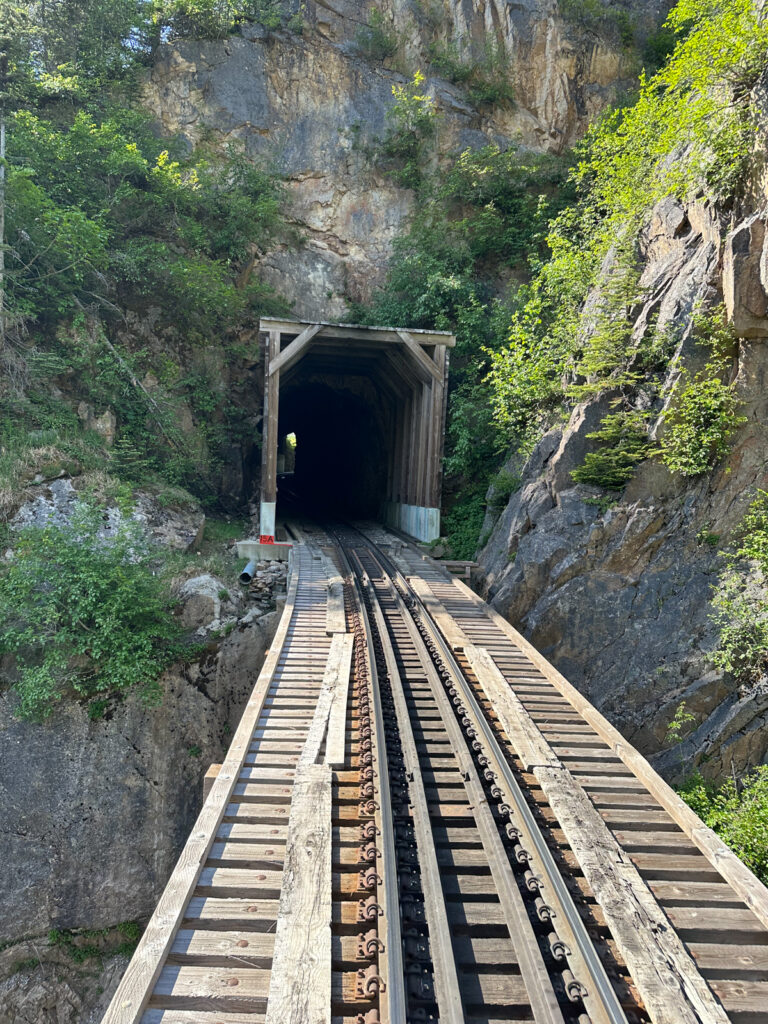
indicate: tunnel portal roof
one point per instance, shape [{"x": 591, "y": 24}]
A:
[{"x": 394, "y": 355}]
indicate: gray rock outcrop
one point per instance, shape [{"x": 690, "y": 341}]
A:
[
  {"x": 619, "y": 599},
  {"x": 312, "y": 104},
  {"x": 93, "y": 814}
]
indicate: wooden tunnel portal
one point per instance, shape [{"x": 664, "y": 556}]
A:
[{"x": 370, "y": 403}]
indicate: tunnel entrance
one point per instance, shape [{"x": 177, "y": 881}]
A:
[
  {"x": 353, "y": 424},
  {"x": 340, "y": 455}
]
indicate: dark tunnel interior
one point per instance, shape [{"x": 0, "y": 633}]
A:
[{"x": 340, "y": 461}]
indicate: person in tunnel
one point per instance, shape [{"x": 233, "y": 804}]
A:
[{"x": 340, "y": 459}]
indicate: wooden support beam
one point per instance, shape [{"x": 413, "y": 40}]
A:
[
  {"x": 673, "y": 990},
  {"x": 300, "y": 984},
  {"x": 209, "y": 778},
  {"x": 335, "y": 617},
  {"x": 357, "y": 332},
  {"x": 446, "y": 623},
  {"x": 270, "y": 422},
  {"x": 437, "y": 431},
  {"x": 421, "y": 359},
  {"x": 284, "y": 360}
]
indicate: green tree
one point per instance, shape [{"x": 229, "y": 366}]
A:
[{"x": 83, "y": 610}]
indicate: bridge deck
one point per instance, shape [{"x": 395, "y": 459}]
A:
[{"x": 361, "y": 855}]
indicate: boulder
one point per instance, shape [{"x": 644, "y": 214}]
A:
[{"x": 205, "y": 601}]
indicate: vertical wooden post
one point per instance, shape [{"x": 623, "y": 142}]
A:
[
  {"x": 405, "y": 490},
  {"x": 269, "y": 440},
  {"x": 437, "y": 429},
  {"x": 424, "y": 431}
]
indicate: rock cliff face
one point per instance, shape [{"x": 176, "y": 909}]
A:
[
  {"x": 314, "y": 105},
  {"x": 89, "y": 836},
  {"x": 620, "y": 600}
]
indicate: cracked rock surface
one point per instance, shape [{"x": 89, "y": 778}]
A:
[
  {"x": 93, "y": 815},
  {"x": 619, "y": 600}
]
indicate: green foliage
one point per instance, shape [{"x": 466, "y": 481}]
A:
[
  {"x": 599, "y": 16},
  {"x": 99, "y": 211},
  {"x": 82, "y": 944},
  {"x": 412, "y": 120},
  {"x": 624, "y": 444},
  {"x": 84, "y": 612},
  {"x": 679, "y": 724},
  {"x": 740, "y": 599},
  {"x": 737, "y": 812},
  {"x": 504, "y": 484},
  {"x": 216, "y": 19},
  {"x": 462, "y": 524},
  {"x": 704, "y": 407},
  {"x": 695, "y": 107},
  {"x": 487, "y": 79},
  {"x": 708, "y": 538},
  {"x": 689, "y": 132},
  {"x": 99, "y": 195},
  {"x": 603, "y": 362},
  {"x": 377, "y": 39}
]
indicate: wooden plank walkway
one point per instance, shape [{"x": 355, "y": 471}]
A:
[{"x": 207, "y": 952}]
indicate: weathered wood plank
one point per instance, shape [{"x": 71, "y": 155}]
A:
[
  {"x": 293, "y": 352},
  {"x": 524, "y": 735},
  {"x": 333, "y": 691},
  {"x": 136, "y": 986},
  {"x": 236, "y": 989},
  {"x": 748, "y": 887},
  {"x": 198, "y": 1017},
  {"x": 427, "y": 367},
  {"x": 300, "y": 987},
  {"x": 447, "y": 625},
  {"x": 335, "y": 617},
  {"x": 336, "y": 740},
  {"x": 204, "y": 945}
]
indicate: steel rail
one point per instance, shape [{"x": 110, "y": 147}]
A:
[
  {"x": 607, "y": 1006},
  {"x": 394, "y": 973},
  {"x": 538, "y": 982},
  {"x": 447, "y": 988}
]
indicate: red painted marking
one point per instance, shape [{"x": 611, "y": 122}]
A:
[{"x": 266, "y": 538}]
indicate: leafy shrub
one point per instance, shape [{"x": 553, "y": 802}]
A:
[
  {"x": 604, "y": 360},
  {"x": 486, "y": 79},
  {"x": 689, "y": 132},
  {"x": 463, "y": 523},
  {"x": 215, "y": 19},
  {"x": 703, "y": 408},
  {"x": 625, "y": 443},
  {"x": 700, "y": 423},
  {"x": 737, "y": 812},
  {"x": 504, "y": 485},
  {"x": 84, "y": 613},
  {"x": 740, "y": 601},
  {"x": 412, "y": 122},
  {"x": 376, "y": 39}
]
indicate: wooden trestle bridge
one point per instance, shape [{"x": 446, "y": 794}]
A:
[{"x": 419, "y": 819}]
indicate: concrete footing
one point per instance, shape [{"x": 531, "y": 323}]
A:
[
  {"x": 415, "y": 520},
  {"x": 255, "y": 551}
]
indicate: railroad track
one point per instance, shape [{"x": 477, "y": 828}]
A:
[{"x": 419, "y": 820}]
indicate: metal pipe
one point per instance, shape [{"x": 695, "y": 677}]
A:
[{"x": 248, "y": 573}]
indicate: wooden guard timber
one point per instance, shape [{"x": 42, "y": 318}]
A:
[{"x": 418, "y": 815}]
